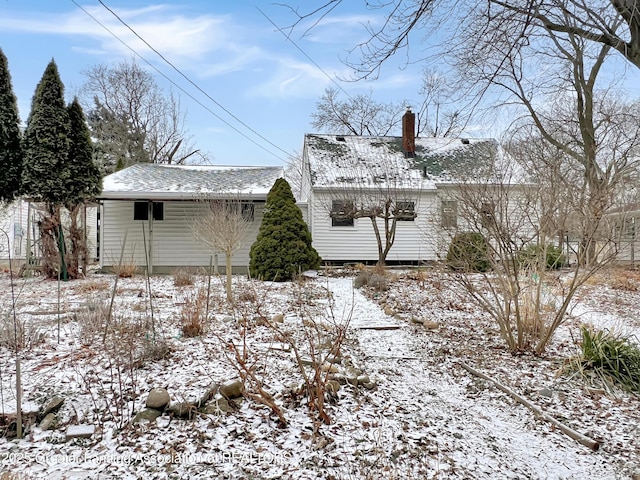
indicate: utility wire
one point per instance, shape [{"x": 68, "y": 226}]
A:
[
  {"x": 181, "y": 88},
  {"x": 288, "y": 37}
]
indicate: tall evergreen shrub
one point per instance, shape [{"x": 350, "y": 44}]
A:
[
  {"x": 10, "y": 148},
  {"x": 283, "y": 247}
]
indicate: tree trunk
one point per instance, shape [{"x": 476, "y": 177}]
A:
[{"x": 229, "y": 272}]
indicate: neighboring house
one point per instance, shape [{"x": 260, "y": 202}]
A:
[
  {"x": 148, "y": 209},
  {"x": 19, "y": 224},
  {"x": 625, "y": 221},
  {"x": 420, "y": 174}
]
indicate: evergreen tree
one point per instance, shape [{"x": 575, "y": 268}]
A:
[
  {"x": 45, "y": 177},
  {"x": 84, "y": 183},
  {"x": 46, "y": 142},
  {"x": 10, "y": 148},
  {"x": 83, "y": 175},
  {"x": 283, "y": 247}
]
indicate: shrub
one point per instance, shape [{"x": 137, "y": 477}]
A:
[
  {"x": 193, "y": 314},
  {"x": 469, "y": 252},
  {"x": 182, "y": 277},
  {"x": 612, "y": 359},
  {"x": 283, "y": 247},
  {"x": 125, "y": 269},
  {"x": 376, "y": 278},
  {"x": 529, "y": 256}
]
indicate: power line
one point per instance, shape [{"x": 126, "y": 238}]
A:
[
  {"x": 288, "y": 37},
  {"x": 188, "y": 79}
]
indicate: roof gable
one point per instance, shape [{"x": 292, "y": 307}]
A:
[{"x": 157, "y": 181}]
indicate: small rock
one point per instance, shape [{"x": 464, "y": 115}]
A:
[
  {"x": 52, "y": 406},
  {"x": 278, "y": 318},
  {"x": 338, "y": 377},
  {"x": 218, "y": 406},
  {"x": 369, "y": 385},
  {"x": 417, "y": 320},
  {"x": 148, "y": 415},
  {"x": 334, "y": 359},
  {"x": 332, "y": 386},
  {"x": 362, "y": 379},
  {"x": 328, "y": 367},
  {"x": 80, "y": 431},
  {"x": 232, "y": 388},
  {"x": 227, "y": 319},
  {"x": 158, "y": 399},
  {"x": 545, "y": 392},
  {"x": 429, "y": 325},
  {"x": 182, "y": 409},
  {"x": 389, "y": 311},
  {"x": 636, "y": 474},
  {"x": 48, "y": 421},
  {"x": 306, "y": 361}
]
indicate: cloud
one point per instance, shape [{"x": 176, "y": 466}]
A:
[{"x": 179, "y": 37}]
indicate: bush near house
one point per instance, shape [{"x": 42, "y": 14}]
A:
[
  {"x": 283, "y": 247},
  {"x": 532, "y": 254},
  {"x": 469, "y": 252}
]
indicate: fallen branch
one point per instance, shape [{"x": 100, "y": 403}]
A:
[
  {"x": 379, "y": 327},
  {"x": 583, "y": 439}
]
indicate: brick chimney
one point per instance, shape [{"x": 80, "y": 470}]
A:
[{"x": 408, "y": 133}]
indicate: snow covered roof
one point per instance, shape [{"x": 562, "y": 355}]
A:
[
  {"x": 182, "y": 182},
  {"x": 339, "y": 160}
]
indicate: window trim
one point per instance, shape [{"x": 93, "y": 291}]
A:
[
  {"x": 449, "y": 214},
  {"x": 339, "y": 217},
  {"x": 405, "y": 211}
]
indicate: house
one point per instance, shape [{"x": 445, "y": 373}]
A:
[
  {"x": 146, "y": 212},
  {"x": 344, "y": 176},
  {"x": 19, "y": 232}
]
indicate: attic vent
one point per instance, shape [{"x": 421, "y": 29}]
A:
[
  {"x": 465, "y": 141},
  {"x": 340, "y": 139}
]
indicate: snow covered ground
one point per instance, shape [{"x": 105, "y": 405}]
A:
[{"x": 427, "y": 417}]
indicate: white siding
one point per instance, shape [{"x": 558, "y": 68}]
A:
[
  {"x": 13, "y": 222},
  {"x": 172, "y": 243},
  {"x": 415, "y": 241}
]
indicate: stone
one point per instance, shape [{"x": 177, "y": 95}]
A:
[
  {"x": 369, "y": 385},
  {"x": 278, "y": 318},
  {"x": 334, "y": 359},
  {"x": 306, "y": 361},
  {"x": 389, "y": 311},
  {"x": 228, "y": 319},
  {"x": 48, "y": 421},
  {"x": 52, "y": 406},
  {"x": 362, "y": 379},
  {"x": 338, "y": 377},
  {"x": 232, "y": 388},
  {"x": 148, "y": 415},
  {"x": 218, "y": 406},
  {"x": 182, "y": 410},
  {"x": 417, "y": 320},
  {"x": 332, "y": 386},
  {"x": 328, "y": 367},
  {"x": 158, "y": 399},
  {"x": 429, "y": 325},
  {"x": 80, "y": 431},
  {"x": 545, "y": 392}
]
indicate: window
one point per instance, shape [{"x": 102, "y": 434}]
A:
[
  {"x": 341, "y": 213},
  {"x": 449, "y": 214},
  {"x": 405, "y": 211},
  {"x": 141, "y": 210},
  {"x": 248, "y": 211},
  {"x": 487, "y": 214}
]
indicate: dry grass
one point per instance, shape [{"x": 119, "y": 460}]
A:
[
  {"x": 193, "y": 314},
  {"x": 125, "y": 269},
  {"x": 91, "y": 320},
  {"x": 376, "y": 278},
  {"x": 13, "y": 476},
  {"x": 91, "y": 286},
  {"x": 182, "y": 277},
  {"x": 21, "y": 334}
]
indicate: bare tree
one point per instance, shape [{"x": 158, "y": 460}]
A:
[
  {"x": 360, "y": 115},
  {"x": 132, "y": 119},
  {"x": 224, "y": 227},
  {"x": 612, "y": 23}
]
